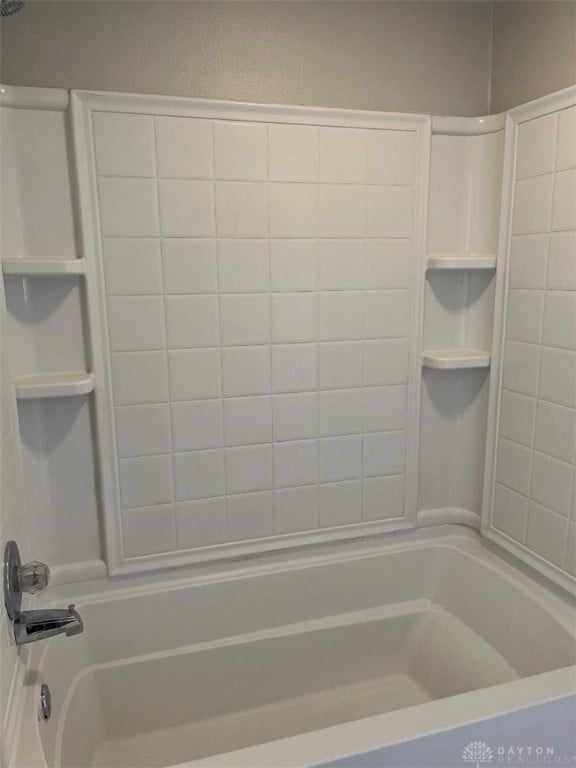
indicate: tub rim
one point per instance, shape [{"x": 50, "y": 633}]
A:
[{"x": 461, "y": 539}]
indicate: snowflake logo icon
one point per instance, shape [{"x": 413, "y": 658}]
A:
[{"x": 477, "y": 753}]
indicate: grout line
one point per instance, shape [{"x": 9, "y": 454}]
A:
[
  {"x": 536, "y": 397},
  {"x": 271, "y": 324},
  {"x": 345, "y": 238},
  {"x": 364, "y": 344},
  {"x": 309, "y": 485},
  {"x": 220, "y": 347},
  {"x": 260, "y": 443},
  {"x": 166, "y": 349},
  {"x": 539, "y": 345},
  {"x": 259, "y": 292},
  {"x": 530, "y": 500},
  {"x": 317, "y": 304},
  {"x": 511, "y": 440},
  {"x": 280, "y": 182}
]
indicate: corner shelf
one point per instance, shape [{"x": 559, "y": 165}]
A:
[
  {"x": 451, "y": 261},
  {"x": 50, "y": 385},
  {"x": 455, "y": 359},
  {"x": 43, "y": 267}
]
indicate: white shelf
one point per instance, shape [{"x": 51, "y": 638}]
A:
[
  {"x": 451, "y": 261},
  {"x": 452, "y": 359},
  {"x": 43, "y": 267},
  {"x": 50, "y": 385}
]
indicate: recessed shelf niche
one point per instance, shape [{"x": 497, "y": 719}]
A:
[{"x": 463, "y": 224}]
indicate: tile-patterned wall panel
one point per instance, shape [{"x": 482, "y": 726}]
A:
[
  {"x": 259, "y": 284},
  {"x": 534, "y": 500}
]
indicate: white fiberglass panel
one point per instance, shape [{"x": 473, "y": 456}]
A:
[
  {"x": 257, "y": 312},
  {"x": 530, "y": 493}
]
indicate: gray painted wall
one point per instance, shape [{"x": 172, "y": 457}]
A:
[
  {"x": 534, "y": 50},
  {"x": 393, "y": 56},
  {"x": 439, "y": 56}
]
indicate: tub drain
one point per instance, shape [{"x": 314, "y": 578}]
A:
[{"x": 45, "y": 702}]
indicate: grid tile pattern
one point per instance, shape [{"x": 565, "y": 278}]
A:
[
  {"x": 535, "y": 494},
  {"x": 258, "y": 283}
]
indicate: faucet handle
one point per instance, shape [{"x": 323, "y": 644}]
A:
[{"x": 32, "y": 577}]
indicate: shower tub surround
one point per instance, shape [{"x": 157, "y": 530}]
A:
[{"x": 257, "y": 317}]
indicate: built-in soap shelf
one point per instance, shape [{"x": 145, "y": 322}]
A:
[
  {"x": 461, "y": 262},
  {"x": 454, "y": 359},
  {"x": 50, "y": 385},
  {"x": 43, "y": 267}
]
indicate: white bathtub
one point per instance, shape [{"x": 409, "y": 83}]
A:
[{"x": 296, "y": 662}]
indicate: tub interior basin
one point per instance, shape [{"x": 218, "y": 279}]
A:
[{"x": 215, "y": 697}]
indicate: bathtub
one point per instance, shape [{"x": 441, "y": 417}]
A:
[{"x": 297, "y": 660}]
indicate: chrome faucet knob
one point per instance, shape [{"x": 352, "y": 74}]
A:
[{"x": 32, "y": 577}]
